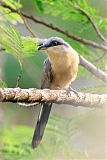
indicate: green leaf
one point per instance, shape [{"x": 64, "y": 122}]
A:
[
  {"x": 38, "y": 4},
  {"x": 14, "y": 18},
  {"x": 13, "y": 4},
  {"x": 7, "y": 15},
  {"x": 3, "y": 84},
  {"x": 16, "y": 45},
  {"x": 29, "y": 46}
]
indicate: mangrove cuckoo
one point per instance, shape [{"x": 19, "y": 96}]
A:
[{"x": 60, "y": 69}]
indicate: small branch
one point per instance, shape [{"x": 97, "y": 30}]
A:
[
  {"x": 99, "y": 58},
  {"x": 51, "y": 26},
  {"x": 84, "y": 12},
  {"x": 19, "y": 78},
  {"x": 53, "y": 96},
  {"x": 28, "y": 27},
  {"x": 90, "y": 67}
]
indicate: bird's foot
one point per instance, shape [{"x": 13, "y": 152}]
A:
[{"x": 71, "y": 89}]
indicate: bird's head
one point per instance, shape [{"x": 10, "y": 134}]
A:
[{"x": 54, "y": 45}]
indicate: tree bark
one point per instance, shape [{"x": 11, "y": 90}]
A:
[{"x": 54, "y": 96}]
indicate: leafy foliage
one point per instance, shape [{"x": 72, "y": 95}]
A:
[
  {"x": 38, "y": 5},
  {"x": 16, "y": 45},
  {"x": 69, "y": 10},
  {"x": 16, "y": 141},
  {"x": 3, "y": 84},
  {"x": 13, "y": 4},
  {"x": 7, "y": 15}
]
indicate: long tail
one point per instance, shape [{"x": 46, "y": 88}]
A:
[{"x": 41, "y": 124}]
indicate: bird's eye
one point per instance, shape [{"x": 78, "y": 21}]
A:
[{"x": 55, "y": 43}]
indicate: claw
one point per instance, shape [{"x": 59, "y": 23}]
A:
[{"x": 71, "y": 89}]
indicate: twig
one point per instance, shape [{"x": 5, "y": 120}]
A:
[
  {"x": 28, "y": 27},
  {"x": 19, "y": 78},
  {"x": 84, "y": 12},
  {"x": 53, "y": 96},
  {"x": 99, "y": 58},
  {"x": 74, "y": 37}
]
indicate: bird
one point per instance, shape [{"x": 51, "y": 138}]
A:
[{"x": 59, "y": 71}]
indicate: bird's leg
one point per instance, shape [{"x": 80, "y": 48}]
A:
[
  {"x": 71, "y": 89},
  {"x": 68, "y": 90}
]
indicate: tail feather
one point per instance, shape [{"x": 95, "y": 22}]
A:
[{"x": 41, "y": 124}]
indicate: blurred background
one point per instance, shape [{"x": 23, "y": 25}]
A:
[{"x": 72, "y": 132}]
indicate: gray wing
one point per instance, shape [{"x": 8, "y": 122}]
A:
[{"x": 47, "y": 74}]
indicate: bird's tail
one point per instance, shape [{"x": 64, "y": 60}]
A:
[{"x": 41, "y": 124}]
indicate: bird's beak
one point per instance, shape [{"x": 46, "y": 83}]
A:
[{"x": 42, "y": 47}]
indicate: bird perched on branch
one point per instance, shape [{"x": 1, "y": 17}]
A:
[{"x": 60, "y": 69}]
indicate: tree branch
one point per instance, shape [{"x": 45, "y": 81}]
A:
[
  {"x": 53, "y": 96},
  {"x": 74, "y": 37},
  {"x": 94, "y": 70}
]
